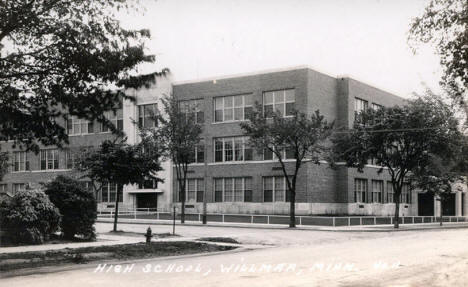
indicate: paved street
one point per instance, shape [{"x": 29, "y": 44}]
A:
[{"x": 290, "y": 258}]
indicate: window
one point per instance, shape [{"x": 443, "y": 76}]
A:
[
  {"x": 18, "y": 187},
  {"x": 232, "y": 108},
  {"x": 287, "y": 153},
  {"x": 194, "y": 189},
  {"x": 376, "y": 107},
  {"x": 49, "y": 159},
  {"x": 193, "y": 110},
  {"x": 76, "y": 126},
  {"x": 232, "y": 149},
  {"x": 360, "y": 105},
  {"x": 109, "y": 192},
  {"x": 146, "y": 114},
  {"x": 281, "y": 101},
  {"x": 377, "y": 191},
  {"x": 116, "y": 118},
  {"x": 275, "y": 189},
  {"x": 21, "y": 162},
  {"x": 148, "y": 184},
  {"x": 199, "y": 153},
  {"x": 3, "y": 188},
  {"x": 233, "y": 189},
  {"x": 405, "y": 196},
  {"x": 390, "y": 198},
  {"x": 360, "y": 190}
]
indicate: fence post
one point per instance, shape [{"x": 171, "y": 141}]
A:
[
  {"x": 375, "y": 220},
  {"x": 268, "y": 219},
  {"x": 134, "y": 212},
  {"x": 360, "y": 220},
  {"x": 349, "y": 221},
  {"x": 251, "y": 219},
  {"x": 333, "y": 221}
]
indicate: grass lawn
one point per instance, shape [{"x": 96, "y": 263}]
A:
[{"x": 13, "y": 261}]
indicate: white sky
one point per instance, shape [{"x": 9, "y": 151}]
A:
[{"x": 366, "y": 39}]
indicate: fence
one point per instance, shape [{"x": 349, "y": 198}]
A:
[{"x": 279, "y": 219}]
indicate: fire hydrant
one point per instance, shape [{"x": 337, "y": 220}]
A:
[{"x": 148, "y": 235}]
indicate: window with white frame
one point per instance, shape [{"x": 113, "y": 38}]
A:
[
  {"x": 149, "y": 183},
  {"x": 198, "y": 155},
  {"x": 116, "y": 118},
  {"x": 377, "y": 191},
  {"x": 281, "y": 101},
  {"x": 233, "y": 189},
  {"x": 360, "y": 190},
  {"x": 20, "y": 161},
  {"x": 232, "y": 149},
  {"x": 232, "y": 108},
  {"x": 390, "y": 193},
  {"x": 18, "y": 187},
  {"x": 194, "y": 189},
  {"x": 146, "y": 115},
  {"x": 49, "y": 159},
  {"x": 77, "y": 126},
  {"x": 376, "y": 107},
  {"x": 3, "y": 188},
  {"x": 360, "y": 105},
  {"x": 109, "y": 191},
  {"x": 275, "y": 189},
  {"x": 287, "y": 153},
  {"x": 405, "y": 196},
  {"x": 193, "y": 110}
]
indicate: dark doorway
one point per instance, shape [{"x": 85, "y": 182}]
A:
[
  {"x": 147, "y": 200},
  {"x": 448, "y": 207},
  {"x": 425, "y": 204}
]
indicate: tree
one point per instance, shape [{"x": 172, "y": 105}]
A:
[
  {"x": 176, "y": 135},
  {"x": 438, "y": 177},
  {"x": 300, "y": 135},
  {"x": 29, "y": 217},
  {"x": 76, "y": 205},
  {"x": 60, "y": 58},
  {"x": 401, "y": 139},
  {"x": 444, "y": 24},
  {"x": 121, "y": 164}
]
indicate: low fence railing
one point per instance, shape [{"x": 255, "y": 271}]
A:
[{"x": 280, "y": 219}]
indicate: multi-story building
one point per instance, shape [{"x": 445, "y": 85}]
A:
[
  {"x": 231, "y": 176},
  {"x": 28, "y": 169}
]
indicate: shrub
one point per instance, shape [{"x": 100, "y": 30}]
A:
[
  {"x": 28, "y": 217},
  {"x": 76, "y": 204}
]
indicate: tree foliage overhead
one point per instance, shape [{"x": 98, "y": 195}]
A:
[
  {"x": 301, "y": 135},
  {"x": 59, "y": 57},
  {"x": 401, "y": 139},
  {"x": 119, "y": 163},
  {"x": 444, "y": 24},
  {"x": 176, "y": 136}
]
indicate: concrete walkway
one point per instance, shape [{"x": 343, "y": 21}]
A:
[{"x": 354, "y": 228}]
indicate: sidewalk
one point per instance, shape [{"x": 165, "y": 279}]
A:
[{"x": 354, "y": 228}]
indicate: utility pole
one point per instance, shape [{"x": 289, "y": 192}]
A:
[{"x": 205, "y": 179}]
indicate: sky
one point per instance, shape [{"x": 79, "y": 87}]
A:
[{"x": 364, "y": 39}]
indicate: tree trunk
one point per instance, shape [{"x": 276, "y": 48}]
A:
[
  {"x": 292, "y": 209},
  {"x": 396, "y": 222},
  {"x": 116, "y": 214}
]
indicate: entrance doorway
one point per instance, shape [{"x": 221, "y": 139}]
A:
[
  {"x": 425, "y": 204},
  {"x": 147, "y": 200},
  {"x": 448, "y": 207}
]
